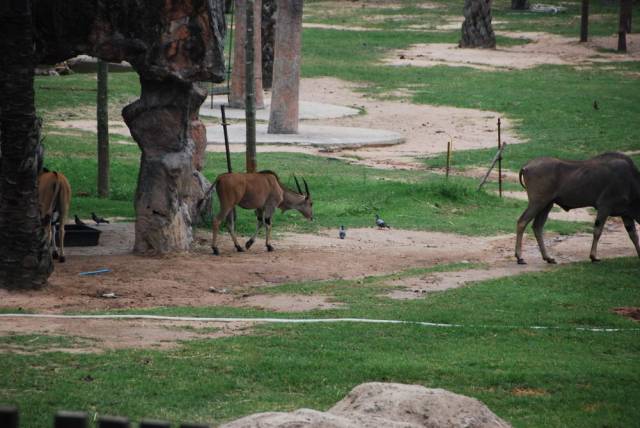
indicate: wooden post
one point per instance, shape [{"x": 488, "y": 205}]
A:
[
  {"x": 226, "y": 138},
  {"x": 65, "y": 419},
  {"x": 499, "y": 162},
  {"x": 250, "y": 90},
  {"x": 448, "y": 158},
  {"x": 113, "y": 422},
  {"x": 9, "y": 417},
  {"x": 103, "y": 129},
  {"x": 584, "y": 22}
]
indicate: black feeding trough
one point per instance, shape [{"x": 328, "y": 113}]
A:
[{"x": 79, "y": 236}]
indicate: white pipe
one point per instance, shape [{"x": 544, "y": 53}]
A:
[{"x": 310, "y": 321}]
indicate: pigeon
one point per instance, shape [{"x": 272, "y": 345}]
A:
[
  {"x": 342, "y": 233},
  {"x": 595, "y": 105},
  {"x": 98, "y": 220},
  {"x": 381, "y": 223},
  {"x": 79, "y": 222}
]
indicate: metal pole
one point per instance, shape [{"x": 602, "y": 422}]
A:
[
  {"x": 226, "y": 138},
  {"x": 499, "y": 162}
]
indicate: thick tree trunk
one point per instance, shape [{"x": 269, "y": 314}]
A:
[
  {"x": 25, "y": 260},
  {"x": 477, "y": 31},
  {"x": 624, "y": 25},
  {"x": 520, "y": 4},
  {"x": 283, "y": 118},
  {"x": 160, "y": 123},
  {"x": 269, "y": 8},
  {"x": 237, "y": 96}
]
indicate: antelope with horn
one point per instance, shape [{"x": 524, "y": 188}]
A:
[{"x": 261, "y": 191}]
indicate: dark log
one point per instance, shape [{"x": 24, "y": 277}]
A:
[{"x": 477, "y": 31}]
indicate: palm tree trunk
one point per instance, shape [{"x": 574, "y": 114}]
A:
[
  {"x": 25, "y": 261},
  {"x": 477, "y": 31}
]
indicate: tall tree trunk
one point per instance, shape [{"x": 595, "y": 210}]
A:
[
  {"x": 584, "y": 21},
  {"x": 237, "y": 97},
  {"x": 25, "y": 260},
  {"x": 477, "y": 31},
  {"x": 250, "y": 89},
  {"x": 160, "y": 122},
  {"x": 283, "y": 118},
  {"x": 520, "y": 4},
  {"x": 269, "y": 8},
  {"x": 624, "y": 25}
]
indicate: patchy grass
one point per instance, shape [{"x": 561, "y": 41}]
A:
[{"x": 557, "y": 378}]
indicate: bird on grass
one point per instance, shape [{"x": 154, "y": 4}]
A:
[
  {"x": 342, "y": 233},
  {"x": 595, "y": 105},
  {"x": 98, "y": 220},
  {"x": 79, "y": 222},
  {"x": 381, "y": 223}
]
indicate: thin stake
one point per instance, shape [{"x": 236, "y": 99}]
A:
[
  {"x": 448, "y": 157},
  {"x": 499, "y": 162},
  {"x": 226, "y": 137}
]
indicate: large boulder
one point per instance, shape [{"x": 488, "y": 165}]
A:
[{"x": 394, "y": 405}]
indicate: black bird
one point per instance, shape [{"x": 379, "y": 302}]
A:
[
  {"x": 343, "y": 233},
  {"x": 79, "y": 222},
  {"x": 595, "y": 105},
  {"x": 381, "y": 223},
  {"x": 98, "y": 220}
]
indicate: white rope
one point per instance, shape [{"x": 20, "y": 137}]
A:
[{"x": 311, "y": 321}]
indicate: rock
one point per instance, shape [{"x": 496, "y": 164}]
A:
[{"x": 393, "y": 405}]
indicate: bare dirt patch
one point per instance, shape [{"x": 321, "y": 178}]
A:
[
  {"x": 630, "y": 312},
  {"x": 104, "y": 334},
  {"x": 543, "y": 48}
]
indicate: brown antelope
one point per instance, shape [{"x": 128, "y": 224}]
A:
[
  {"x": 261, "y": 191},
  {"x": 54, "y": 194},
  {"x": 609, "y": 182}
]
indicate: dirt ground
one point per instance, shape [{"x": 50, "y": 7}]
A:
[{"x": 236, "y": 279}]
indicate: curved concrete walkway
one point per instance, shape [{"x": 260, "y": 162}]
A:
[
  {"x": 308, "y": 110},
  {"x": 309, "y": 135}
]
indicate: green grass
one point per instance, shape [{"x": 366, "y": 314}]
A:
[{"x": 555, "y": 378}]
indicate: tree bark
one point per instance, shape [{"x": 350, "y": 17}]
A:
[
  {"x": 624, "y": 25},
  {"x": 103, "y": 129},
  {"x": 160, "y": 123},
  {"x": 237, "y": 97},
  {"x": 283, "y": 118},
  {"x": 268, "y": 24},
  {"x": 584, "y": 21},
  {"x": 25, "y": 259},
  {"x": 520, "y": 4},
  {"x": 250, "y": 89},
  {"x": 477, "y": 31}
]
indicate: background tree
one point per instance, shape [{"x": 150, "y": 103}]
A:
[
  {"x": 268, "y": 24},
  {"x": 477, "y": 31}
]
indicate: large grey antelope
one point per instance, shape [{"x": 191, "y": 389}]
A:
[
  {"x": 609, "y": 182},
  {"x": 54, "y": 196},
  {"x": 261, "y": 191}
]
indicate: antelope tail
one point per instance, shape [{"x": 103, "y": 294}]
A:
[{"x": 520, "y": 178}]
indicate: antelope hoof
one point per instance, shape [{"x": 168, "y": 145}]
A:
[
  {"x": 55, "y": 255},
  {"x": 239, "y": 249},
  {"x": 521, "y": 261},
  {"x": 215, "y": 251},
  {"x": 594, "y": 259},
  {"x": 270, "y": 248},
  {"x": 248, "y": 244},
  {"x": 551, "y": 261},
  {"x": 62, "y": 259}
]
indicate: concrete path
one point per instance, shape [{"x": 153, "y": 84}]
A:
[
  {"x": 308, "y": 110},
  {"x": 309, "y": 135}
]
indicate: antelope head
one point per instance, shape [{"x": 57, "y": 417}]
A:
[{"x": 303, "y": 203}]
